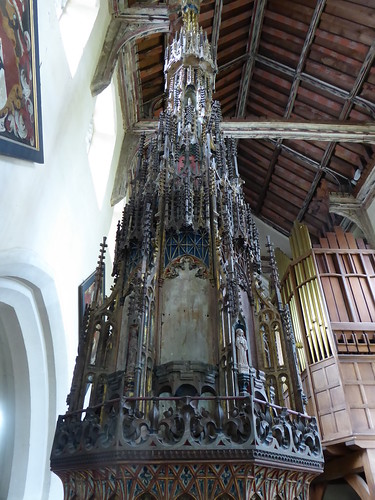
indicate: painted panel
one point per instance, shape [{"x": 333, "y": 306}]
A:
[
  {"x": 20, "y": 109},
  {"x": 187, "y": 323}
]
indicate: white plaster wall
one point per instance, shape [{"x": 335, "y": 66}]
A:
[
  {"x": 50, "y": 216},
  {"x": 278, "y": 240}
]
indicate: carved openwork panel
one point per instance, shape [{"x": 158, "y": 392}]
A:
[
  {"x": 273, "y": 350},
  {"x": 194, "y": 244}
]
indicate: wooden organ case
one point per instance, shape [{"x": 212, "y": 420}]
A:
[{"x": 330, "y": 292}]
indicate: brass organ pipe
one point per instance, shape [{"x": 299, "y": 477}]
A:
[
  {"x": 297, "y": 332},
  {"x": 316, "y": 320},
  {"x": 303, "y": 238},
  {"x": 306, "y": 315},
  {"x": 312, "y": 321},
  {"x": 320, "y": 312},
  {"x": 325, "y": 314},
  {"x": 313, "y": 310},
  {"x": 303, "y": 242},
  {"x": 306, "y": 239},
  {"x": 293, "y": 245},
  {"x": 323, "y": 323},
  {"x": 305, "y": 340}
]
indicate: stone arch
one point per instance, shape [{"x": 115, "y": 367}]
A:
[{"x": 30, "y": 357}]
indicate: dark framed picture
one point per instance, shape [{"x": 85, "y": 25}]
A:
[
  {"x": 86, "y": 294},
  {"x": 20, "y": 108}
]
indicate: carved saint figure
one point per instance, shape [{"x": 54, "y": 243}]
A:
[
  {"x": 241, "y": 344},
  {"x": 132, "y": 349}
]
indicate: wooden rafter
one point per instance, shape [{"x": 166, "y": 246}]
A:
[
  {"x": 315, "y": 82},
  {"x": 342, "y": 466},
  {"x": 129, "y": 25},
  {"x": 216, "y": 28},
  {"x": 266, "y": 182},
  {"x": 369, "y": 59},
  {"x": 304, "y": 53},
  {"x": 335, "y": 130},
  {"x": 293, "y": 94},
  {"x": 251, "y": 50},
  {"x": 297, "y": 59}
]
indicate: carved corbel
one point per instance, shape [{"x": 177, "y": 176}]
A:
[
  {"x": 354, "y": 210},
  {"x": 130, "y": 24}
]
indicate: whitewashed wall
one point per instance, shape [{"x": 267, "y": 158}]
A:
[{"x": 51, "y": 226}]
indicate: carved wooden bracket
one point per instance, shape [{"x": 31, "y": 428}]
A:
[
  {"x": 334, "y": 130},
  {"x": 130, "y": 24},
  {"x": 354, "y": 210}
]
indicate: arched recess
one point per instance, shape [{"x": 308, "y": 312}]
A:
[{"x": 33, "y": 366}]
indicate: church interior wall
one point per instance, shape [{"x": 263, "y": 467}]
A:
[{"x": 50, "y": 230}]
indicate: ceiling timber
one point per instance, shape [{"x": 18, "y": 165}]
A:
[{"x": 296, "y": 84}]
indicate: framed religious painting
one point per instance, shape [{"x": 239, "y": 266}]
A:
[
  {"x": 86, "y": 292},
  {"x": 20, "y": 108}
]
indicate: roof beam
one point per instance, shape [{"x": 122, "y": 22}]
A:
[
  {"x": 308, "y": 161},
  {"x": 315, "y": 82},
  {"x": 336, "y": 130},
  {"x": 234, "y": 62},
  {"x": 304, "y": 53},
  {"x": 125, "y": 26},
  {"x": 267, "y": 180},
  {"x": 345, "y": 112},
  {"x": 216, "y": 28},
  {"x": 341, "y": 466},
  {"x": 293, "y": 94},
  {"x": 252, "y": 48}
]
